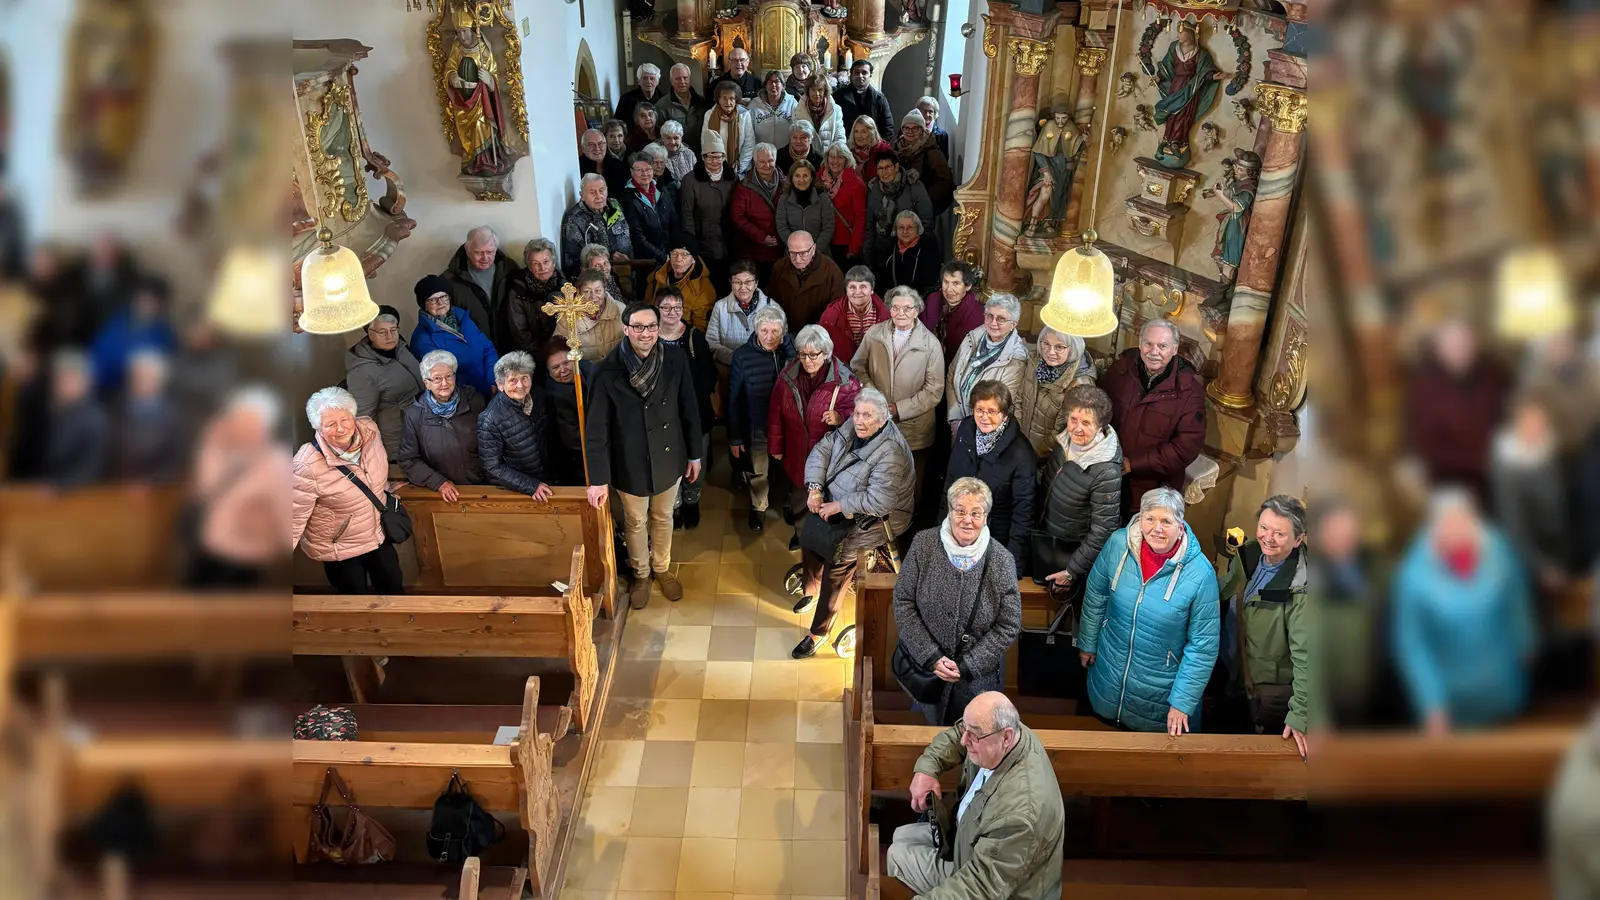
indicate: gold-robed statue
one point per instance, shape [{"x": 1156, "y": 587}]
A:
[
  {"x": 480, "y": 93},
  {"x": 109, "y": 74}
]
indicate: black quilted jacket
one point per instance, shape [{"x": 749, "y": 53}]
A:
[
  {"x": 512, "y": 444},
  {"x": 1082, "y": 506}
]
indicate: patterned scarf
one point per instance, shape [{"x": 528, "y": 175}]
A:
[
  {"x": 443, "y": 410},
  {"x": 983, "y": 356},
  {"x": 986, "y": 442},
  {"x": 859, "y": 323},
  {"x": 911, "y": 148},
  {"x": 963, "y": 558},
  {"x": 448, "y": 322},
  {"x": 642, "y": 373},
  {"x": 1046, "y": 374}
]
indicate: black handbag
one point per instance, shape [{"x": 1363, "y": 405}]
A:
[
  {"x": 1047, "y": 660},
  {"x": 460, "y": 827},
  {"x": 918, "y": 680},
  {"x": 823, "y": 536},
  {"x": 392, "y": 515}
]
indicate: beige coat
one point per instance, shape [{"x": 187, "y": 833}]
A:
[
  {"x": 1038, "y": 407},
  {"x": 244, "y": 500},
  {"x": 597, "y": 337},
  {"x": 914, "y": 382},
  {"x": 333, "y": 519},
  {"x": 1008, "y": 369}
]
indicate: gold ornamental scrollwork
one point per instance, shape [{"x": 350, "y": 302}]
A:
[
  {"x": 1029, "y": 55},
  {"x": 1285, "y": 107},
  {"x": 1090, "y": 59},
  {"x": 989, "y": 47},
  {"x": 348, "y": 201},
  {"x": 966, "y": 221},
  {"x": 1286, "y": 383}
]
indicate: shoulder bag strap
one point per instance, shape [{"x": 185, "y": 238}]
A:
[
  {"x": 356, "y": 480},
  {"x": 972, "y": 614}
]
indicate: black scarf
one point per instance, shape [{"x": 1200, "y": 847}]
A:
[
  {"x": 857, "y": 441},
  {"x": 1147, "y": 382},
  {"x": 801, "y": 198},
  {"x": 642, "y": 373}
]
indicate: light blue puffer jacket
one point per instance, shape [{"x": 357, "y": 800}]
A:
[{"x": 1155, "y": 642}]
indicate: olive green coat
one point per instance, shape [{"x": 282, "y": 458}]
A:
[{"x": 1274, "y": 628}]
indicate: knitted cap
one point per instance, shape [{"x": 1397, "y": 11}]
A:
[
  {"x": 711, "y": 142},
  {"x": 914, "y": 118},
  {"x": 428, "y": 286}
]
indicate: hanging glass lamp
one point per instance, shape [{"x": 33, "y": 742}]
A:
[
  {"x": 247, "y": 299},
  {"x": 1533, "y": 299},
  {"x": 1081, "y": 300},
  {"x": 335, "y": 289}
]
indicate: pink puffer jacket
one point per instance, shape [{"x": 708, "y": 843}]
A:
[{"x": 333, "y": 519}]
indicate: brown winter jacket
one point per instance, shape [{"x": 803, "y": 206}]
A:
[
  {"x": 332, "y": 518},
  {"x": 804, "y": 296}
]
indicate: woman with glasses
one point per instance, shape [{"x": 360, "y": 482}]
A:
[
  {"x": 954, "y": 575},
  {"x": 600, "y": 332},
  {"x": 381, "y": 374},
  {"x": 439, "y": 441},
  {"x": 691, "y": 342},
  {"x": 995, "y": 352},
  {"x": 442, "y": 326},
  {"x": 815, "y": 393},
  {"x": 990, "y": 446}
]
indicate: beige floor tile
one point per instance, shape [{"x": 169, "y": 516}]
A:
[
  {"x": 594, "y": 864},
  {"x": 734, "y": 609},
  {"x": 651, "y": 864},
  {"x": 686, "y": 642},
  {"x": 777, "y": 611},
  {"x": 673, "y": 720},
  {"x": 762, "y": 867},
  {"x": 817, "y": 867},
  {"x": 723, "y": 720},
  {"x": 658, "y": 812},
  {"x": 818, "y": 815},
  {"x": 776, "y": 643},
  {"x": 654, "y": 614},
  {"x": 766, "y": 815},
  {"x": 699, "y": 577},
  {"x": 718, "y": 764},
  {"x": 641, "y": 895},
  {"x": 707, "y": 864},
  {"x": 795, "y": 897},
  {"x": 679, "y": 679},
  {"x": 732, "y": 643},
  {"x": 758, "y": 897},
  {"x": 770, "y": 766},
  {"x": 625, "y": 719},
  {"x": 774, "y": 679},
  {"x": 699, "y": 895},
  {"x": 713, "y": 812},
  {"x": 606, "y": 812},
  {"x": 641, "y": 640},
  {"x": 617, "y": 763},
  {"x": 634, "y": 678},
  {"x": 666, "y": 763},
  {"x": 819, "y": 767},
  {"x": 767, "y": 721},
  {"x": 822, "y": 677},
  {"x": 726, "y": 679},
  {"x": 737, "y": 578},
  {"x": 695, "y": 608},
  {"x": 819, "y": 723}
]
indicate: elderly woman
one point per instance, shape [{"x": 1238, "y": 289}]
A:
[
  {"x": 691, "y": 342},
  {"x": 755, "y": 370},
  {"x": 680, "y": 159},
  {"x": 599, "y": 332},
  {"x": 991, "y": 448},
  {"x": 441, "y": 326},
  {"x": 665, "y": 180},
  {"x": 911, "y": 260},
  {"x": 239, "y": 480},
  {"x": 819, "y": 111},
  {"x": 1057, "y": 364},
  {"x": 381, "y": 374},
  {"x": 806, "y": 207},
  {"x": 439, "y": 437},
  {"x": 148, "y": 434},
  {"x": 597, "y": 258},
  {"x": 920, "y": 153},
  {"x": 929, "y": 107},
  {"x": 340, "y": 478},
  {"x": 772, "y": 110},
  {"x": 643, "y": 130},
  {"x": 731, "y": 320},
  {"x": 815, "y": 393},
  {"x": 78, "y": 431},
  {"x": 1462, "y": 620},
  {"x": 995, "y": 352},
  {"x": 865, "y": 145},
  {"x": 524, "y": 324},
  {"x": 754, "y": 212},
  {"x": 901, "y": 358},
  {"x": 800, "y": 143},
  {"x": 955, "y": 310},
  {"x": 686, "y": 275},
  {"x": 1149, "y": 662},
  {"x": 890, "y": 192},
  {"x": 512, "y": 430},
  {"x": 1529, "y": 490},
  {"x": 616, "y": 132},
  {"x": 1082, "y": 492},
  {"x": 847, "y": 319},
  {"x": 849, "y": 195},
  {"x": 956, "y": 603},
  {"x": 858, "y": 476}
]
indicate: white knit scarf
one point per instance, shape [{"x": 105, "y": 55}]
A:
[{"x": 963, "y": 558}]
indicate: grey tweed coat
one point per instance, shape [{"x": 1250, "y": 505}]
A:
[
  {"x": 873, "y": 481},
  {"x": 932, "y": 600}
]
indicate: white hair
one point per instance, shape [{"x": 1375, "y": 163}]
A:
[
  {"x": 815, "y": 337},
  {"x": 592, "y": 178},
  {"x": 70, "y": 362},
  {"x": 896, "y": 293},
  {"x": 434, "y": 359},
  {"x": 1007, "y": 302},
  {"x": 770, "y": 313},
  {"x": 328, "y": 398},
  {"x": 680, "y": 66},
  {"x": 647, "y": 69},
  {"x": 1177, "y": 338},
  {"x": 517, "y": 362},
  {"x": 152, "y": 357},
  {"x": 842, "y": 149},
  {"x": 672, "y": 127},
  {"x": 969, "y": 487},
  {"x": 257, "y": 397},
  {"x": 655, "y": 151},
  {"x": 481, "y": 235},
  {"x": 763, "y": 147},
  {"x": 1162, "y": 498},
  {"x": 802, "y": 125},
  {"x": 874, "y": 397},
  {"x": 909, "y": 214},
  {"x": 931, "y": 101},
  {"x": 1006, "y": 716}
]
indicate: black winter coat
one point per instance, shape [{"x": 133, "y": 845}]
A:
[
  {"x": 651, "y": 224},
  {"x": 511, "y": 443},
  {"x": 917, "y": 267},
  {"x": 1008, "y": 469},
  {"x": 750, "y": 379},
  {"x": 434, "y": 449},
  {"x": 636, "y": 445},
  {"x": 1082, "y": 507},
  {"x": 483, "y": 308},
  {"x": 696, "y": 352},
  {"x": 870, "y": 102}
]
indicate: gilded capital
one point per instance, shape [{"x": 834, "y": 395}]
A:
[
  {"x": 1029, "y": 55},
  {"x": 989, "y": 48},
  {"x": 1090, "y": 59},
  {"x": 1286, "y": 107}
]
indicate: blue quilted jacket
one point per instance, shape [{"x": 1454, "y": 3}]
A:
[{"x": 1155, "y": 642}]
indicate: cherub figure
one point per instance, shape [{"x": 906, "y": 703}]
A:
[
  {"x": 1143, "y": 118},
  {"x": 1243, "y": 110},
  {"x": 1127, "y": 84},
  {"x": 1117, "y": 136},
  {"x": 1210, "y": 137}
]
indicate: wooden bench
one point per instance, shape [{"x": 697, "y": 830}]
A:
[
  {"x": 1517, "y": 762},
  {"x": 146, "y": 626},
  {"x": 516, "y": 779},
  {"x": 106, "y": 538},
  {"x": 556, "y": 627},
  {"x": 493, "y": 540}
]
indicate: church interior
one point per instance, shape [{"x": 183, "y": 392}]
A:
[{"x": 979, "y": 365}]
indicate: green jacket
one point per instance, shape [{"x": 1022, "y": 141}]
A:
[
  {"x": 1574, "y": 820},
  {"x": 1009, "y": 842},
  {"x": 1275, "y": 628}
]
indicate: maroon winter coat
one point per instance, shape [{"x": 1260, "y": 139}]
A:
[
  {"x": 791, "y": 434},
  {"x": 836, "y": 321},
  {"x": 968, "y": 315},
  {"x": 1161, "y": 432},
  {"x": 1450, "y": 421},
  {"x": 754, "y": 220}
]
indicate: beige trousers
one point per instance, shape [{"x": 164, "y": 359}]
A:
[
  {"x": 914, "y": 859},
  {"x": 652, "y": 551},
  {"x": 761, "y": 464}
]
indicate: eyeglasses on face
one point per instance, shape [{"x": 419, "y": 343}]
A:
[
  {"x": 1000, "y": 319},
  {"x": 812, "y": 354},
  {"x": 971, "y": 738},
  {"x": 671, "y": 307},
  {"x": 644, "y": 329},
  {"x": 744, "y": 282}
]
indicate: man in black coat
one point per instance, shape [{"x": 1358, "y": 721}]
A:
[
  {"x": 644, "y": 437},
  {"x": 511, "y": 430},
  {"x": 859, "y": 98},
  {"x": 479, "y": 276},
  {"x": 593, "y": 157},
  {"x": 739, "y": 73}
]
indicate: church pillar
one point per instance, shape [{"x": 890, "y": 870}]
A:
[
  {"x": 1028, "y": 50},
  {"x": 866, "y": 20},
  {"x": 1283, "y": 120},
  {"x": 1091, "y": 59},
  {"x": 688, "y": 23}
]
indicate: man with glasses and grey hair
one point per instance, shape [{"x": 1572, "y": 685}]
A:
[
  {"x": 596, "y": 218},
  {"x": 595, "y": 159},
  {"x": 1158, "y": 408},
  {"x": 1008, "y": 823},
  {"x": 480, "y": 275}
]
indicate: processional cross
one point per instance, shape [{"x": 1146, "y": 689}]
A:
[{"x": 567, "y": 311}]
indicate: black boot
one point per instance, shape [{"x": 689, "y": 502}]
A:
[
  {"x": 691, "y": 515},
  {"x": 757, "y": 521},
  {"x": 794, "y": 542},
  {"x": 677, "y": 519}
]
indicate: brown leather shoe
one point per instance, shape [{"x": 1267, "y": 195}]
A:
[
  {"x": 639, "y": 593},
  {"x": 671, "y": 587}
]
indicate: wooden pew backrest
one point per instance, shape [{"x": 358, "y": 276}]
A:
[
  {"x": 143, "y": 626},
  {"x": 1519, "y": 761},
  {"x": 99, "y": 538}
]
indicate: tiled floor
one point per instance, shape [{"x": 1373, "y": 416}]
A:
[{"x": 720, "y": 773}]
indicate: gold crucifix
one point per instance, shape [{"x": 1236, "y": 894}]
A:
[{"x": 567, "y": 311}]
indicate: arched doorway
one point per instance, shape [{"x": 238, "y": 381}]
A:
[{"x": 589, "y": 108}]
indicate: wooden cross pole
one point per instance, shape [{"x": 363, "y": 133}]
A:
[{"x": 567, "y": 311}]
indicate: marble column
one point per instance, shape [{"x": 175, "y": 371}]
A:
[
  {"x": 688, "y": 25},
  {"x": 1091, "y": 59},
  {"x": 866, "y": 20},
  {"x": 1283, "y": 120},
  {"x": 1028, "y": 55}
]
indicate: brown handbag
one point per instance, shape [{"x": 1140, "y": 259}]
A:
[{"x": 362, "y": 840}]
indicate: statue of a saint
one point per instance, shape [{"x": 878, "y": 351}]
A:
[
  {"x": 1188, "y": 79},
  {"x": 472, "y": 78},
  {"x": 1055, "y": 157},
  {"x": 1237, "y": 191}
]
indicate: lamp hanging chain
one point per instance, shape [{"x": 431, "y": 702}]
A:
[{"x": 1105, "y": 113}]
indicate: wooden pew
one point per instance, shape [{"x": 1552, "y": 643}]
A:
[
  {"x": 102, "y": 538},
  {"x": 1517, "y": 762},
  {"x": 556, "y": 627},
  {"x": 393, "y": 775},
  {"x": 498, "y": 541},
  {"x": 148, "y": 626}
]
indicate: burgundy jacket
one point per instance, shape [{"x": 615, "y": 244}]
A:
[
  {"x": 836, "y": 321},
  {"x": 968, "y": 315},
  {"x": 1162, "y": 431},
  {"x": 794, "y": 426},
  {"x": 1450, "y": 420}
]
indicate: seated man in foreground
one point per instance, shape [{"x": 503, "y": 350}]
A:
[{"x": 1009, "y": 822}]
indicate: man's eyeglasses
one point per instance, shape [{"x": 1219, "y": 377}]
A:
[
  {"x": 644, "y": 329},
  {"x": 970, "y": 738}
]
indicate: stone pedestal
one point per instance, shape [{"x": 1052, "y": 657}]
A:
[{"x": 1162, "y": 204}]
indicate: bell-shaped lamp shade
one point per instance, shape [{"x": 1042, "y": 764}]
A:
[
  {"x": 248, "y": 299},
  {"x": 335, "y": 289},
  {"x": 1081, "y": 294},
  {"x": 955, "y": 84},
  {"x": 1533, "y": 299}
]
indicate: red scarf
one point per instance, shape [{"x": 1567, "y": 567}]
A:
[
  {"x": 1461, "y": 561},
  {"x": 649, "y": 192},
  {"x": 1150, "y": 562},
  {"x": 905, "y": 246}
]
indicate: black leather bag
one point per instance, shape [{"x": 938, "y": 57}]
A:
[
  {"x": 823, "y": 536},
  {"x": 392, "y": 515},
  {"x": 918, "y": 680},
  {"x": 460, "y": 827}
]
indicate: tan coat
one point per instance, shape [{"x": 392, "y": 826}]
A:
[
  {"x": 1038, "y": 407},
  {"x": 1008, "y": 370},
  {"x": 597, "y": 337},
  {"x": 914, "y": 382},
  {"x": 244, "y": 500},
  {"x": 332, "y": 518}
]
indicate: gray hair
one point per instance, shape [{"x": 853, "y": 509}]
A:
[
  {"x": 589, "y": 131},
  {"x": 839, "y": 148},
  {"x": 931, "y": 101},
  {"x": 328, "y": 398},
  {"x": 816, "y": 337},
  {"x": 672, "y": 127},
  {"x": 769, "y": 313},
  {"x": 1007, "y": 302},
  {"x": 591, "y": 178},
  {"x": 517, "y": 362},
  {"x": 1162, "y": 498},
  {"x": 434, "y": 359},
  {"x": 970, "y": 487},
  {"x": 1288, "y": 507},
  {"x": 1177, "y": 338},
  {"x": 908, "y": 214},
  {"x": 540, "y": 245},
  {"x": 1006, "y": 715},
  {"x": 1448, "y": 499},
  {"x": 483, "y": 234},
  {"x": 647, "y": 69},
  {"x": 655, "y": 151},
  {"x": 874, "y": 397},
  {"x": 257, "y": 397},
  {"x": 383, "y": 317},
  {"x": 762, "y": 147},
  {"x": 149, "y": 356},
  {"x": 802, "y": 125},
  {"x": 678, "y": 66},
  {"x": 861, "y": 273},
  {"x": 896, "y": 293},
  {"x": 589, "y": 252}
]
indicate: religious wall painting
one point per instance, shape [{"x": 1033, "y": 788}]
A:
[
  {"x": 1189, "y": 82},
  {"x": 1057, "y": 151},
  {"x": 109, "y": 71},
  {"x": 1236, "y": 190},
  {"x": 478, "y": 73}
]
